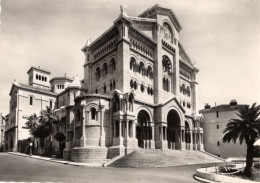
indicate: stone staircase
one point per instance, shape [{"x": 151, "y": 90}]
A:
[{"x": 142, "y": 158}]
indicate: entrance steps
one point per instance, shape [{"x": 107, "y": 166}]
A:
[{"x": 142, "y": 158}]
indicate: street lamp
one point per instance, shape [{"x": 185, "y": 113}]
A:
[{"x": 30, "y": 147}]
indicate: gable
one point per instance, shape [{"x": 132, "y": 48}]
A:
[{"x": 158, "y": 9}]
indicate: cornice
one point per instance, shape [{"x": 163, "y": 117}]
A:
[{"x": 102, "y": 38}]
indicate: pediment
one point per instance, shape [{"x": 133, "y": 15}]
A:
[{"x": 158, "y": 9}]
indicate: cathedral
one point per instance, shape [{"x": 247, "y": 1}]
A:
[{"x": 140, "y": 90}]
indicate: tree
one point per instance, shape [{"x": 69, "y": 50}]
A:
[{"x": 247, "y": 129}]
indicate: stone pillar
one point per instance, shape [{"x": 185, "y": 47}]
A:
[
  {"x": 195, "y": 141},
  {"x": 102, "y": 136},
  {"x": 120, "y": 128},
  {"x": 83, "y": 138},
  {"x": 191, "y": 140},
  {"x": 166, "y": 133},
  {"x": 152, "y": 132},
  {"x": 127, "y": 129},
  {"x": 134, "y": 129}
]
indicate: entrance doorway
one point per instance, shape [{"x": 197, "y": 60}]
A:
[
  {"x": 173, "y": 127},
  {"x": 143, "y": 128}
]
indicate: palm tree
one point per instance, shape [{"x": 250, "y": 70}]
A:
[
  {"x": 32, "y": 123},
  {"x": 247, "y": 129}
]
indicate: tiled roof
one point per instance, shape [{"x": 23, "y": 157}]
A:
[
  {"x": 61, "y": 78},
  {"x": 39, "y": 69},
  {"x": 223, "y": 107},
  {"x": 34, "y": 89}
]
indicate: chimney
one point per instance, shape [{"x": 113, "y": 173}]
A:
[
  {"x": 207, "y": 106},
  {"x": 233, "y": 102}
]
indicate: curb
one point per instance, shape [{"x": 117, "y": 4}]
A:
[
  {"x": 57, "y": 161},
  {"x": 199, "y": 179}
]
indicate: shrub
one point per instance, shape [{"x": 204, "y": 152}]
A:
[{"x": 228, "y": 169}]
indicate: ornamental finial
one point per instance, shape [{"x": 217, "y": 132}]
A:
[{"x": 123, "y": 10}]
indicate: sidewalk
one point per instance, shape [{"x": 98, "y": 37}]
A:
[{"x": 55, "y": 160}]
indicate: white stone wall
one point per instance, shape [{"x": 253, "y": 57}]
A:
[{"x": 212, "y": 135}]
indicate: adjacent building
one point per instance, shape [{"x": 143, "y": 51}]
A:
[
  {"x": 32, "y": 98},
  {"x": 214, "y": 121},
  {"x": 2, "y": 131}
]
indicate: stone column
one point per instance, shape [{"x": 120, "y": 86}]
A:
[
  {"x": 127, "y": 129},
  {"x": 83, "y": 138},
  {"x": 166, "y": 133},
  {"x": 161, "y": 135},
  {"x": 191, "y": 140},
  {"x": 120, "y": 128},
  {"x": 152, "y": 132},
  {"x": 134, "y": 129}
]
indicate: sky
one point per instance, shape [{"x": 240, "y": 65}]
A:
[{"x": 223, "y": 36}]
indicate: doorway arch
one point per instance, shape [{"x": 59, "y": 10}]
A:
[
  {"x": 143, "y": 128},
  {"x": 173, "y": 128}
]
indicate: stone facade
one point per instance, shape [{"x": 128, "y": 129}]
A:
[
  {"x": 32, "y": 98},
  {"x": 139, "y": 91},
  {"x": 142, "y": 90}
]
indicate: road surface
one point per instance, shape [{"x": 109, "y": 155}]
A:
[{"x": 26, "y": 169}]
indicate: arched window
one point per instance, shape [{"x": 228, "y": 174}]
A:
[
  {"x": 149, "y": 72},
  {"x": 151, "y": 91},
  {"x": 183, "y": 89},
  {"x": 167, "y": 85},
  {"x": 132, "y": 63},
  {"x": 62, "y": 86},
  {"x": 141, "y": 67},
  {"x": 104, "y": 68},
  {"x": 166, "y": 64},
  {"x": 40, "y": 77},
  {"x": 188, "y": 91},
  {"x": 114, "y": 84},
  {"x": 105, "y": 88},
  {"x": 36, "y": 76},
  {"x": 148, "y": 90},
  {"x": 142, "y": 88},
  {"x": 131, "y": 102},
  {"x": 116, "y": 103},
  {"x": 96, "y": 90},
  {"x": 45, "y": 79},
  {"x": 164, "y": 84},
  {"x": 31, "y": 100},
  {"x": 111, "y": 86},
  {"x": 50, "y": 104},
  {"x": 131, "y": 83},
  {"x": 135, "y": 85},
  {"x": 93, "y": 113},
  {"x": 97, "y": 74},
  {"x": 113, "y": 65}
]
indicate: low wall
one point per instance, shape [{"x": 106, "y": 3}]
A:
[
  {"x": 209, "y": 174},
  {"x": 89, "y": 154}
]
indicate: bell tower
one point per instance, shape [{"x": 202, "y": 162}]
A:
[{"x": 39, "y": 77}]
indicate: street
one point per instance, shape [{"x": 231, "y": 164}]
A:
[{"x": 25, "y": 169}]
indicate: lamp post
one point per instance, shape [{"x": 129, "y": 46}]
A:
[{"x": 30, "y": 147}]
